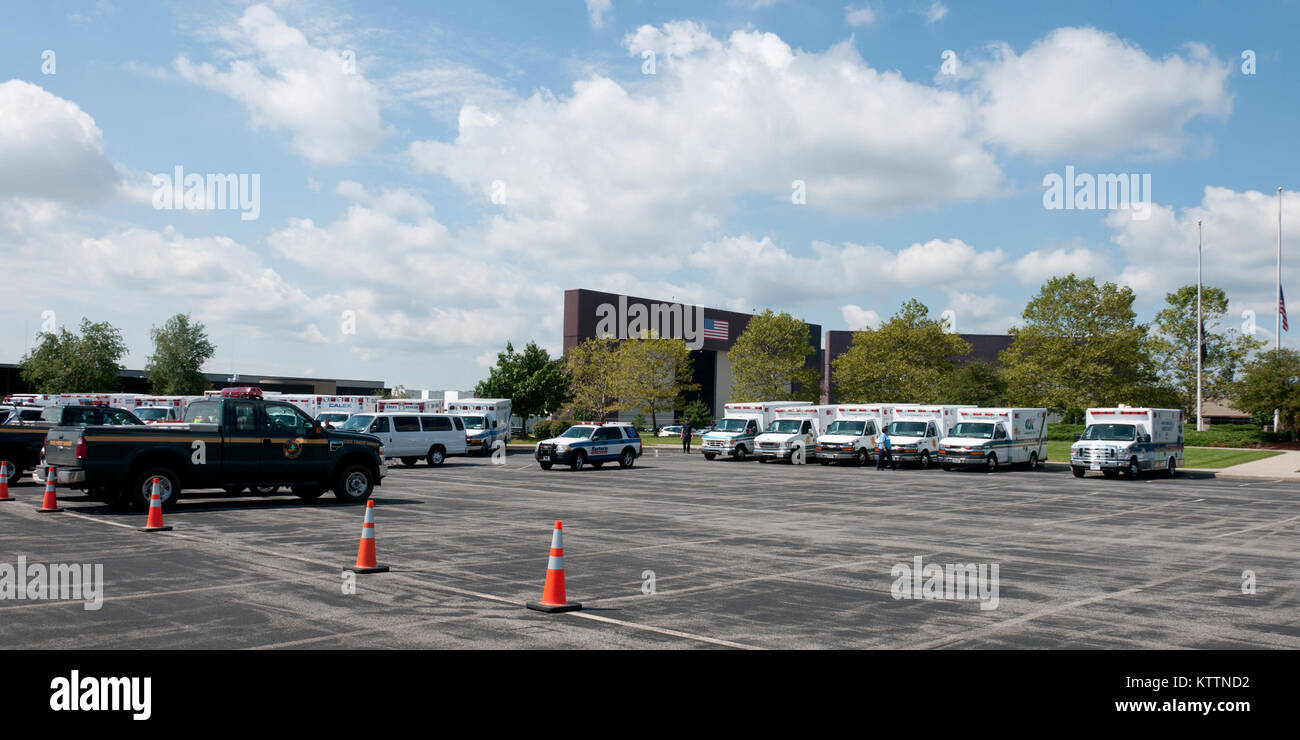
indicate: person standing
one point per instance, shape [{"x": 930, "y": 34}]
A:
[
  {"x": 686, "y": 436},
  {"x": 884, "y": 451}
]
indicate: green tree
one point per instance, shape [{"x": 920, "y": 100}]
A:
[
  {"x": 1174, "y": 345},
  {"x": 535, "y": 384},
  {"x": 63, "y": 362},
  {"x": 769, "y": 360},
  {"x": 1271, "y": 381},
  {"x": 1081, "y": 345},
  {"x": 698, "y": 413},
  {"x": 978, "y": 382},
  {"x": 593, "y": 367},
  {"x": 652, "y": 374},
  {"x": 180, "y": 347},
  {"x": 909, "y": 358}
]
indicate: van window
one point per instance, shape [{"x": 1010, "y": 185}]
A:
[
  {"x": 406, "y": 424},
  {"x": 380, "y": 426},
  {"x": 436, "y": 423},
  {"x": 460, "y": 425}
]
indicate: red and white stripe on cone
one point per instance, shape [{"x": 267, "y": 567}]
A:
[
  {"x": 553, "y": 598},
  {"x": 51, "y": 502},
  {"x": 154, "y": 523},
  {"x": 366, "y": 561},
  {"x": 4, "y": 481}
]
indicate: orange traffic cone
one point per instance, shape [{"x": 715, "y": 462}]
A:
[
  {"x": 4, "y": 482},
  {"x": 51, "y": 502},
  {"x": 154, "y": 522},
  {"x": 366, "y": 562},
  {"x": 553, "y": 593}
]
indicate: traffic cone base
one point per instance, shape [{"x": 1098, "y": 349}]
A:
[
  {"x": 167, "y": 528},
  {"x": 572, "y": 606},
  {"x": 553, "y": 598},
  {"x": 376, "y": 569}
]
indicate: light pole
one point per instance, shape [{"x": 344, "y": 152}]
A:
[
  {"x": 1200, "y": 330},
  {"x": 1277, "y": 301}
]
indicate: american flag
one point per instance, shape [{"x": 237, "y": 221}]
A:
[
  {"x": 1281, "y": 307},
  {"x": 716, "y": 329}
]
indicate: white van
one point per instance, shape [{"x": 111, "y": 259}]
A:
[
  {"x": 854, "y": 433},
  {"x": 408, "y": 437},
  {"x": 915, "y": 432},
  {"x": 794, "y": 427},
  {"x": 1129, "y": 440},
  {"x": 992, "y": 438}
]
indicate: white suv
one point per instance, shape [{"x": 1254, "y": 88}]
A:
[
  {"x": 590, "y": 443},
  {"x": 411, "y": 436}
]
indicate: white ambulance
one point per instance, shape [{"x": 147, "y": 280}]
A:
[
  {"x": 486, "y": 421},
  {"x": 854, "y": 433},
  {"x": 992, "y": 438},
  {"x": 794, "y": 428},
  {"x": 741, "y": 424},
  {"x": 334, "y": 410},
  {"x": 915, "y": 432},
  {"x": 390, "y": 405},
  {"x": 1127, "y": 440},
  {"x": 161, "y": 409}
]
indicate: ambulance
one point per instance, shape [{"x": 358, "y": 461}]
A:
[
  {"x": 915, "y": 432},
  {"x": 486, "y": 421},
  {"x": 390, "y": 405},
  {"x": 334, "y": 410},
  {"x": 993, "y": 438},
  {"x": 794, "y": 428},
  {"x": 854, "y": 433},
  {"x": 1127, "y": 440},
  {"x": 741, "y": 424},
  {"x": 161, "y": 409}
]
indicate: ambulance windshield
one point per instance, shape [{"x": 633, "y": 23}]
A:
[
  {"x": 359, "y": 423},
  {"x": 973, "y": 430},
  {"x": 785, "y": 426},
  {"x": 1110, "y": 433},
  {"x": 731, "y": 425},
  {"x": 844, "y": 426},
  {"x": 907, "y": 429},
  {"x": 473, "y": 422}
]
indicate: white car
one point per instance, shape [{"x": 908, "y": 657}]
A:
[
  {"x": 672, "y": 431},
  {"x": 409, "y": 437}
]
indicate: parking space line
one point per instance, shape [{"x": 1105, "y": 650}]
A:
[{"x": 1257, "y": 526}]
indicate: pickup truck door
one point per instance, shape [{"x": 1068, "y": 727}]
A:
[
  {"x": 291, "y": 450},
  {"x": 243, "y": 443}
]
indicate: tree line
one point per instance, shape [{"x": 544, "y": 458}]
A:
[{"x": 89, "y": 360}]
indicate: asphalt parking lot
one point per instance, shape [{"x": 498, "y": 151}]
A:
[{"x": 743, "y": 555}]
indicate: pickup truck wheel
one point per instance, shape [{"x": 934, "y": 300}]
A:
[
  {"x": 436, "y": 457},
  {"x": 545, "y": 465},
  {"x": 628, "y": 458},
  {"x": 1078, "y": 471},
  {"x": 265, "y": 490},
  {"x": 13, "y": 472},
  {"x": 141, "y": 487},
  {"x": 354, "y": 484},
  {"x": 308, "y": 493},
  {"x": 409, "y": 461}
]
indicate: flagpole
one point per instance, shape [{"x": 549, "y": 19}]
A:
[
  {"x": 1277, "y": 333},
  {"x": 1200, "y": 329}
]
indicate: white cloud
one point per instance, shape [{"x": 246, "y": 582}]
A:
[
  {"x": 1039, "y": 265},
  {"x": 936, "y": 13},
  {"x": 50, "y": 148},
  {"x": 857, "y": 318},
  {"x": 596, "y": 10},
  {"x": 980, "y": 313},
  {"x": 860, "y": 16},
  {"x": 1084, "y": 91},
  {"x": 330, "y": 110}
]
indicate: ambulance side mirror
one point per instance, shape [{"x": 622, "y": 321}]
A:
[{"x": 1146, "y": 438}]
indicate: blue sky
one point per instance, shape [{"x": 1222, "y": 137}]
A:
[{"x": 424, "y": 206}]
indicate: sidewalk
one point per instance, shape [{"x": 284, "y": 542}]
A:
[{"x": 1277, "y": 467}]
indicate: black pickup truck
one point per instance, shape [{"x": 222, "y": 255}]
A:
[
  {"x": 21, "y": 440},
  {"x": 231, "y": 442}
]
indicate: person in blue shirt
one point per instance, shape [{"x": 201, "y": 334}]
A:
[{"x": 884, "y": 451}]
